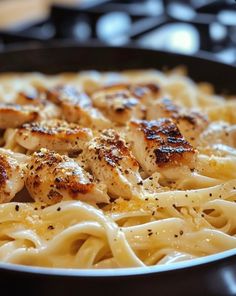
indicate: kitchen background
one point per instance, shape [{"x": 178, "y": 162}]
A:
[{"x": 180, "y": 26}]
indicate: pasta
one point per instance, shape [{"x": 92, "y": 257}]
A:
[{"x": 111, "y": 170}]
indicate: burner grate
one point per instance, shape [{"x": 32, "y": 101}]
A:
[{"x": 181, "y": 26}]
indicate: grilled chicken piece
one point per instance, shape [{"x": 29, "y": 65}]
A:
[
  {"x": 54, "y": 134},
  {"x": 111, "y": 162},
  {"x": 48, "y": 110},
  {"x": 219, "y": 133},
  {"x": 53, "y": 177},
  {"x": 144, "y": 92},
  {"x": 159, "y": 146},
  {"x": 190, "y": 123},
  {"x": 11, "y": 174},
  {"x": 121, "y": 102},
  {"x": 32, "y": 97},
  {"x": 76, "y": 106},
  {"x": 13, "y": 115}
]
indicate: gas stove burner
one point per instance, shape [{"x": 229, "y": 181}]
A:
[{"x": 180, "y": 26}]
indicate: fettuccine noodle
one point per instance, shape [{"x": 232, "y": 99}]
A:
[{"x": 181, "y": 217}]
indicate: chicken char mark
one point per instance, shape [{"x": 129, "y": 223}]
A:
[{"x": 172, "y": 145}]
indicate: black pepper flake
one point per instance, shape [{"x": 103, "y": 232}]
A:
[
  {"x": 36, "y": 209},
  {"x": 176, "y": 235},
  {"x": 146, "y": 198},
  {"x": 140, "y": 183},
  {"x": 210, "y": 194},
  {"x": 186, "y": 195},
  {"x": 42, "y": 207},
  {"x": 203, "y": 215},
  {"x": 17, "y": 208},
  {"x": 150, "y": 233},
  {"x": 153, "y": 213},
  {"x": 50, "y": 227},
  {"x": 181, "y": 232},
  {"x": 58, "y": 209}
]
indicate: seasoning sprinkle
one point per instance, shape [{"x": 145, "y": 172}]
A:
[{"x": 50, "y": 227}]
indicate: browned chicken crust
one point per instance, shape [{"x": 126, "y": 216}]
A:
[
  {"x": 159, "y": 144},
  {"x": 53, "y": 177},
  {"x": 137, "y": 90},
  {"x": 121, "y": 102},
  {"x": 54, "y": 134},
  {"x": 113, "y": 164},
  {"x": 76, "y": 106},
  {"x": 191, "y": 123},
  {"x": 11, "y": 176},
  {"x": 13, "y": 115}
]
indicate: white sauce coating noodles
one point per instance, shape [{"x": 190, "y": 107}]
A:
[{"x": 137, "y": 168}]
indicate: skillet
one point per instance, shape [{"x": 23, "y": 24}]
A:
[{"x": 212, "y": 275}]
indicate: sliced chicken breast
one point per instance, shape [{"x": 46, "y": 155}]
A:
[
  {"x": 142, "y": 91},
  {"x": 12, "y": 174},
  {"x": 28, "y": 98},
  {"x": 54, "y": 134},
  {"x": 13, "y": 115},
  {"x": 190, "y": 123},
  {"x": 122, "y": 102},
  {"x": 159, "y": 146},
  {"x": 77, "y": 107},
  {"x": 48, "y": 110},
  {"x": 53, "y": 177},
  {"x": 111, "y": 162}
]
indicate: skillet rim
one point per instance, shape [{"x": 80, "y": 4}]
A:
[
  {"x": 121, "y": 272},
  {"x": 57, "y": 44}
]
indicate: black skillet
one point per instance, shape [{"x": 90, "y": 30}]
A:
[{"x": 212, "y": 275}]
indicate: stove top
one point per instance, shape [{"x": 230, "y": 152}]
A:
[{"x": 180, "y": 26}]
